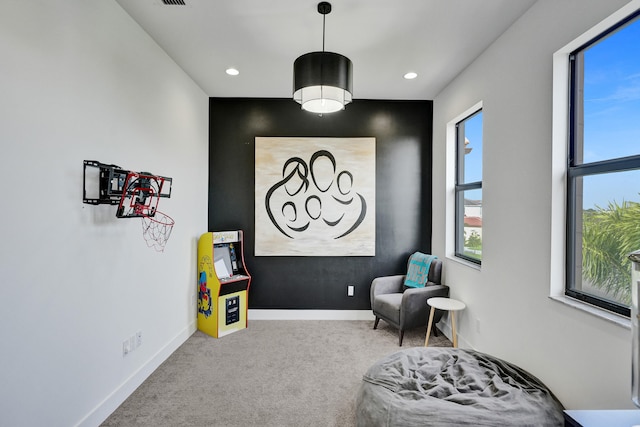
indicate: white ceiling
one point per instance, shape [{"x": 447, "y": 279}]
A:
[{"x": 384, "y": 39}]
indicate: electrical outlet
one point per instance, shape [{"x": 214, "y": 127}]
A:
[
  {"x": 350, "y": 290},
  {"x": 138, "y": 338},
  {"x": 126, "y": 348}
]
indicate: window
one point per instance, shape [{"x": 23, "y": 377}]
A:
[
  {"x": 468, "y": 188},
  {"x": 603, "y": 175}
]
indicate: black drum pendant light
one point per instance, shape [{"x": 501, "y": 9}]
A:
[{"x": 322, "y": 81}]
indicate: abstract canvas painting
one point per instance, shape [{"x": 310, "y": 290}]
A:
[{"x": 315, "y": 196}]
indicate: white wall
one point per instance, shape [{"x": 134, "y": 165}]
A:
[
  {"x": 584, "y": 360},
  {"x": 81, "y": 80}
]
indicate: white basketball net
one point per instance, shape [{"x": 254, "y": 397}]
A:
[{"x": 157, "y": 229}]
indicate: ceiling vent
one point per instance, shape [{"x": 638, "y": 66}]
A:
[{"x": 174, "y": 2}]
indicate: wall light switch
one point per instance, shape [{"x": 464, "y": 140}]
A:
[{"x": 350, "y": 290}]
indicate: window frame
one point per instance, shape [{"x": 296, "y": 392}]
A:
[
  {"x": 460, "y": 188},
  {"x": 577, "y": 169}
]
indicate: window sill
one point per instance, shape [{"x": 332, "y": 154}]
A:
[
  {"x": 465, "y": 262},
  {"x": 593, "y": 310}
]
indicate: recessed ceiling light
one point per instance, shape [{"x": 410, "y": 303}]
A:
[
  {"x": 232, "y": 71},
  {"x": 410, "y": 75}
]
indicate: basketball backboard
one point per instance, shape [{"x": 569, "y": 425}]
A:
[{"x": 135, "y": 193}]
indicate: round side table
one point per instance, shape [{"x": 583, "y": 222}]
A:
[{"x": 450, "y": 305}]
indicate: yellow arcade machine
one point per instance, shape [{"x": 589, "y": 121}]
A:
[{"x": 223, "y": 283}]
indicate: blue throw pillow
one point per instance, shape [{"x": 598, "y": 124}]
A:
[{"x": 418, "y": 270}]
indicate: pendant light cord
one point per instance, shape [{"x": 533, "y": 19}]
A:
[{"x": 324, "y": 16}]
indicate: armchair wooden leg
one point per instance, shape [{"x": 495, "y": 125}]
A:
[
  {"x": 400, "y": 338},
  {"x": 375, "y": 325}
]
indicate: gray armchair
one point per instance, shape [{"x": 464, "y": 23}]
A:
[{"x": 406, "y": 308}]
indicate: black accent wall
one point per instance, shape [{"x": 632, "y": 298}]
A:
[{"x": 403, "y": 132}]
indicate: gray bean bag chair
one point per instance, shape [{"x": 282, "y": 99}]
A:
[{"x": 452, "y": 387}]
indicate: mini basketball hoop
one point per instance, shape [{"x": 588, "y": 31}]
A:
[
  {"x": 137, "y": 195},
  {"x": 156, "y": 229}
]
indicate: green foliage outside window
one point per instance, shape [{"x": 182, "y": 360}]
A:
[
  {"x": 473, "y": 245},
  {"x": 609, "y": 236},
  {"x": 474, "y": 241}
]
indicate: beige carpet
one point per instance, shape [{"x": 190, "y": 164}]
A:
[{"x": 274, "y": 373}]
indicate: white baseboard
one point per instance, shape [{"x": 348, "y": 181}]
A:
[
  {"x": 265, "y": 314},
  {"x": 445, "y": 328},
  {"x": 118, "y": 396}
]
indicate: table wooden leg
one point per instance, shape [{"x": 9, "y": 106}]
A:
[
  {"x": 453, "y": 329},
  {"x": 426, "y": 340}
]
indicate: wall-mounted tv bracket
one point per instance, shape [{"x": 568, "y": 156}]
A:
[{"x": 135, "y": 193}]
